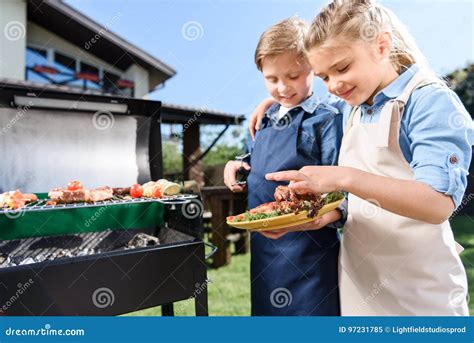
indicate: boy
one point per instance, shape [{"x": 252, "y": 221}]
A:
[{"x": 297, "y": 273}]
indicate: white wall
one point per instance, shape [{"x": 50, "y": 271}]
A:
[
  {"x": 140, "y": 76},
  {"x": 12, "y": 38}
]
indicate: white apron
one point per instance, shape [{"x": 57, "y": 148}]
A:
[{"x": 392, "y": 265}]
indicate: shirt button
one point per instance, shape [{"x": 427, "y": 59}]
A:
[
  {"x": 369, "y": 111},
  {"x": 453, "y": 159}
]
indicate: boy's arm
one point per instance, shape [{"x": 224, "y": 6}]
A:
[
  {"x": 255, "y": 120},
  {"x": 231, "y": 168}
]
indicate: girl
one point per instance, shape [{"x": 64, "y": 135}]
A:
[{"x": 403, "y": 160}]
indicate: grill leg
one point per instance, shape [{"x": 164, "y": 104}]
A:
[
  {"x": 167, "y": 310},
  {"x": 200, "y": 303}
]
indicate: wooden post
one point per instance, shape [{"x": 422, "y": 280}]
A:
[
  {"x": 191, "y": 151},
  {"x": 220, "y": 230}
]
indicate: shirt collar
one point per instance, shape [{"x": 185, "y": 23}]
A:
[
  {"x": 309, "y": 105},
  {"x": 395, "y": 89}
]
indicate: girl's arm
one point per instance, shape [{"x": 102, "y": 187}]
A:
[
  {"x": 407, "y": 198},
  {"x": 257, "y": 116}
]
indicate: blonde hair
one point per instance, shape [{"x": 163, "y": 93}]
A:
[
  {"x": 287, "y": 35},
  {"x": 365, "y": 19}
]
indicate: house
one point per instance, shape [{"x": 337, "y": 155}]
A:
[{"x": 49, "y": 42}]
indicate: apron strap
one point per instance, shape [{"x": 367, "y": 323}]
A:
[
  {"x": 355, "y": 112},
  {"x": 394, "y": 108}
]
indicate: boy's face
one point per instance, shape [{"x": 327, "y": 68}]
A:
[{"x": 288, "y": 78}]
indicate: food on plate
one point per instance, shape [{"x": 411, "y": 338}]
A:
[
  {"x": 287, "y": 202},
  {"x": 15, "y": 199}
]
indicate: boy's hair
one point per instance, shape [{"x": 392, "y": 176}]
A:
[
  {"x": 364, "y": 19},
  {"x": 284, "y": 36}
]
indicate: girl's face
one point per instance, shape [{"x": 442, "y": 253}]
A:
[
  {"x": 353, "y": 71},
  {"x": 288, "y": 78}
]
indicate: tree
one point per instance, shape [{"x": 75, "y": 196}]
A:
[
  {"x": 220, "y": 154},
  {"x": 172, "y": 157},
  {"x": 462, "y": 81}
]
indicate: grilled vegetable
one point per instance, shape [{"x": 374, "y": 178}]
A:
[
  {"x": 136, "y": 191},
  {"x": 74, "y": 185}
]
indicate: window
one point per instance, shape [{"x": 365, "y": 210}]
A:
[
  {"x": 93, "y": 72},
  {"x": 49, "y": 66},
  {"x": 35, "y": 57}
]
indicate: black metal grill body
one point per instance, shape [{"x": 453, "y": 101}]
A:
[{"x": 108, "y": 279}]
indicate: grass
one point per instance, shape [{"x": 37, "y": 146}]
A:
[
  {"x": 462, "y": 228},
  {"x": 229, "y": 289}
]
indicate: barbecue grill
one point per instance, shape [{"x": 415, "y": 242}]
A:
[{"x": 105, "y": 258}]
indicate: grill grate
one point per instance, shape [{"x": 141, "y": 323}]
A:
[
  {"x": 41, "y": 205},
  {"x": 34, "y": 250}
]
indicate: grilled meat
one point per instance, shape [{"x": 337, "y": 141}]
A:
[
  {"x": 121, "y": 191},
  {"x": 15, "y": 199},
  {"x": 285, "y": 193},
  {"x": 64, "y": 196},
  {"x": 100, "y": 194}
]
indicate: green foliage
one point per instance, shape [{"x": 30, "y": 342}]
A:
[
  {"x": 172, "y": 157},
  {"x": 462, "y": 228},
  {"x": 462, "y": 81},
  {"x": 220, "y": 154}
]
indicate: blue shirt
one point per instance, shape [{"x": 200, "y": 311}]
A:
[
  {"x": 436, "y": 133},
  {"x": 321, "y": 131}
]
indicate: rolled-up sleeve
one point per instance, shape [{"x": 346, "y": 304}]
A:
[
  {"x": 343, "y": 206},
  {"x": 440, "y": 131}
]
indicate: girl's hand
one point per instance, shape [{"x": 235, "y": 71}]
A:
[
  {"x": 256, "y": 118},
  {"x": 316, "y": 224},
  {"x": 230, "y": 171},
  {"x": 314, "y": 179}
]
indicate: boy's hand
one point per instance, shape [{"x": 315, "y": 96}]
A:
[
  {"x": 316, "y": 224},
  {"x": 230, "y": 172},
  {"x": 257, "y": 116}
]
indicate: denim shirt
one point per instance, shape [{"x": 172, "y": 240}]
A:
[
  {"x": 319, "y": 136},
  {"x": 436, "y": 133},
  {"x": 321, "y": 131}
]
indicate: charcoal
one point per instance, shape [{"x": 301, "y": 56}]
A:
[
  {"x": 142, "y": 240},
  {"x": 28, "y": 260}
]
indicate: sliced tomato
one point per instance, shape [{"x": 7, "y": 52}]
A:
[
  {"x": 74, "y": 185},
  {"x": 157, "y": 193},
  {"x": 136, "y": 191},
  {"x": 230, "y": 218}
]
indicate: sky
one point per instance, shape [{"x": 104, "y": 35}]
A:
[{"x": 211, "y": 43}]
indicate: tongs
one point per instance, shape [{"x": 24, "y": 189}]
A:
[{"x": 242, "y": 173}]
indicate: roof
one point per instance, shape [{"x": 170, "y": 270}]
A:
[
  {"x": 77, "y": 28},
  {"x": 170, "y": 113}
]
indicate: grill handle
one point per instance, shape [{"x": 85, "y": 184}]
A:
[{"x": 213, "y": 247}]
